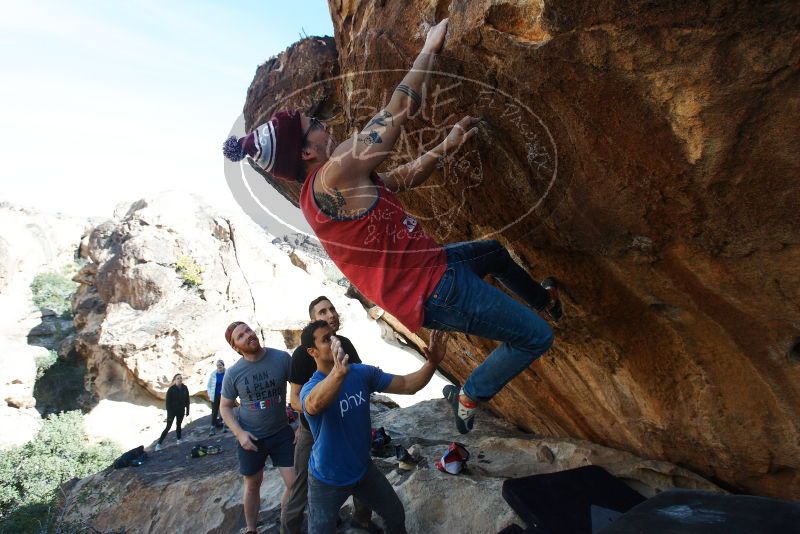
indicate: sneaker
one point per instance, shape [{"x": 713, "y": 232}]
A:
[
  {"x": 177, "y": 442},
  {"x": 463, "y": 410},
  {"x": 157, "y": 447},
  {"x": 553, "y": 308}
]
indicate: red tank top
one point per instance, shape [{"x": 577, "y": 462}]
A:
[{"x": 384, "y": 252}]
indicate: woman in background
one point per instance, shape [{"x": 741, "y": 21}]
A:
[{"x": 177, "y": 402}]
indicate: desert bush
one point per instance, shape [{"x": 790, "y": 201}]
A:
[
  {"x": 43, "y": 363},
  {"x": 54, "y": 290},
  {"x": 31, "y": 474},
  {"x": 189, "y": 271}
]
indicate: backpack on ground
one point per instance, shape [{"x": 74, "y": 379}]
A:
[{"x": 127, "y": 458}]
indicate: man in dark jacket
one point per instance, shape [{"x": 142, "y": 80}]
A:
[{"x": 177, "y": 402}]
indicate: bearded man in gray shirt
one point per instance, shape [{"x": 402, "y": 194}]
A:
[{"x": 258, "y": 379}]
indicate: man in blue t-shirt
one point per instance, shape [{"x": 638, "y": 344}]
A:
[{"x": 336, "y": 404}]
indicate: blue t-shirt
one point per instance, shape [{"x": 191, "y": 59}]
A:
[
  {"x": 218, "y": 384},
  {"x": 342, "y": 436}
]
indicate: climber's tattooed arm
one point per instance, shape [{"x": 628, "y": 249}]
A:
[
  {"x": 364, "y": 150},
  {"x": 410, "y": 93},
  {"x": 371, "y": 138},
  {"x": 381, "y": 119},
  {"x": 414, "y": 173}
]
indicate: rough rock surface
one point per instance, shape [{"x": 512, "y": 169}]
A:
[
  {"x": 204, "y": 495},
  {"x": 30, "y": 243},
  {"x": 139, "y": 321},
  {"x": 646, "y": 154}
]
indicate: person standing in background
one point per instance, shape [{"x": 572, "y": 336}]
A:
[
  {"x": 177, "y": 401},
  {"x": 214, "y": 390},
  {"x": 258, "y": 379}
]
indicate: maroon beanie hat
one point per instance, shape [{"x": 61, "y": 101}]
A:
[
  {"x": 275, "y": 145},
  {"x": 229, "y": 331}
]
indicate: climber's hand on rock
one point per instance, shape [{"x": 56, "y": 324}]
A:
[
  {"x": 434, "y": 41},
  {"x": 462, "y": 132},
  {"x": 247, "y": 441}
]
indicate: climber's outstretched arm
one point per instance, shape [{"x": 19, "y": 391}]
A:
[
  {"x": 416, "y": 172},
  {"x": 356, "y": 158}
]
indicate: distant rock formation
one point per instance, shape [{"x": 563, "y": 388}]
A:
[
  {"x": 646, "y": 154},
  {"x": 161, "y": 282},
  {"x": 30, "y": 243}
]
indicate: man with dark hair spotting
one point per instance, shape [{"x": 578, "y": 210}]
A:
[
  {"x": 303, "y": 368},
  {"x": 336, "y": 404},
  {"x": 383, "y": 250}
]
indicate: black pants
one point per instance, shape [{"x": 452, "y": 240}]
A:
[
  {"x": 215, "y": 420},
  {"x": 178, "y": 417}
]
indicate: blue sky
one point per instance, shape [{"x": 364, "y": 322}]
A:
[{"x": 109, "y": 101}]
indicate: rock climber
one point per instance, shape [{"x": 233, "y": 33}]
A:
[{"x": 384, "y": 251}]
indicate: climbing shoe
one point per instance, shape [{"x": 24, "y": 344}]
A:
[
  {"x": 553, "y": 308},
  {"x": 379, "y": 440},
  {"x": 463, "y": 410},
  {"x": 406, "y": 461}
]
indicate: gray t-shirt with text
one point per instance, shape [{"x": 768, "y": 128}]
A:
[{"x": 261, "y": 388}]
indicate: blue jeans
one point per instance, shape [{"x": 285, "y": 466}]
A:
[
  {"x": 373, "y": 490},
  {"x": 463, "y": 302}
]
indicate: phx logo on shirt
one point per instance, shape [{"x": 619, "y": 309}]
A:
[{"x": 351, "y": 402}]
